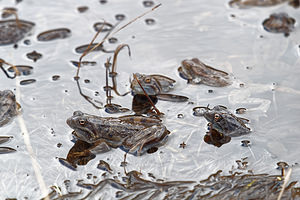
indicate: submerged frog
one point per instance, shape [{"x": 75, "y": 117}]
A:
[
  {"x": 155, "y": 85},
  {"x": 133, "y": 134},
  {"x": 8, "y": 106},
  {"x": 279, "y": 23},
  {"x": 11, "y": 31},
  {"x": 223, "y": 121},
  {"x": 196, "y": 72}
]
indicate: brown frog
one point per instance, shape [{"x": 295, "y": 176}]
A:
[
  {"x": 279, "y": 23},
  {"x": 196, "y": 72},
  {"x": 8, "y": 106},
  {"x": 223, "y": 121},
  {"x": 133, "y": 134},
  {"x": 155, "y": 85}
]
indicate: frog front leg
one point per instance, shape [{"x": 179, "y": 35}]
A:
[{"x": 145, "y": 139}]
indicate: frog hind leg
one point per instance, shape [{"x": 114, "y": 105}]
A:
[{"x": 147, "y": 138}]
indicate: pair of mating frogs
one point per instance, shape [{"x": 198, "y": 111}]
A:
[{"x": 133, "y": 134}]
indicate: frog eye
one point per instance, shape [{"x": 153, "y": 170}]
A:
[
  {"x": 82, "y": 122},
  {"x": 147, "y": 79},
  {"x": 217, "y": 117}
]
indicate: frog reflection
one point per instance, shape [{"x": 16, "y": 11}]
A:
[
  {"x": 215, "y": 138},
  {"x": 196, "y": 72}
]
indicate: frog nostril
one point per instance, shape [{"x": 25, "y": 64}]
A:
[{"x": 82, "y": 122}]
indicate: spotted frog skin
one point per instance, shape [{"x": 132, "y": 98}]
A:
[
  {"x": 224, "y": 122},
  {"x": 196, "y": 72},
  {"x": 133, "y": 134}
]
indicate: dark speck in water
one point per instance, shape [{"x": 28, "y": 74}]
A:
[
  {"x": 96, "y": 93},
  {"x": 180, "y": 116},
  {"x": 148, "y": 3},
  {"x": 89, "y": 176},
  {"x": 27, "y": 42},
  {"x": 152, "y": 150},
  {"x": 23, "y": 69},
  {"x": 15, "y": 46},
  {"x": 103, "y": 1},
  {"x": 242, "y": 85},
  {"x": 34, "y": 55},
  {"x": 112, "y": 40},
  {"x": 210, "y": 91},
  {"x": 182, "y": 145},
  {"x": 82, "y": 9},
  {"x": 59, "y": 145},
  {"x": 150, "y": 21},
  {"x": 232, "y": 15},
  {"x": 240, "y": 110},
  {"x": 107, "y": 26},
  {"x": 248, "y": 67},
  {"x": 87, "y": 81},
  {"x": 55, "y": 77},
  {"x": 245, "y": 143},
  {"x": 27, "y": 81},
  {"x": 120, "y": 17},
  {"x": 66, "y": 90}
]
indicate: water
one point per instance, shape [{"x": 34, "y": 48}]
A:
[{"x": 266, "y": 63}]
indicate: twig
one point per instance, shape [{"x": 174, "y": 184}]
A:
[{"x": 113, "y": 72}]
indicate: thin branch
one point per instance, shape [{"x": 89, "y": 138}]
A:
[{"x": 113, "y": 72}]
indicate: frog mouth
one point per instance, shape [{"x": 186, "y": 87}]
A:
[{"x": 85, "y": 134}]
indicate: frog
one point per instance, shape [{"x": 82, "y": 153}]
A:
[
  {"x": 279, "y": 23},
  {"x": 196, "y": 72},
  {"x": 155, "y": 85},
  {"x": 8, "y": 107},
  {"x": 223, "y": 121},
  {"x": 133, "y": 134},
  {"x": 261, "y": 3}
]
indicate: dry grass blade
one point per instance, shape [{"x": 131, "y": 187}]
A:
[
  {"x": 88, "y": 50},
  {"x": 15, "y": 14},
  {"x": 17, "y": 73},
  {"x": 286, "y": 180},
  {"x": 113, "y": 72}
]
